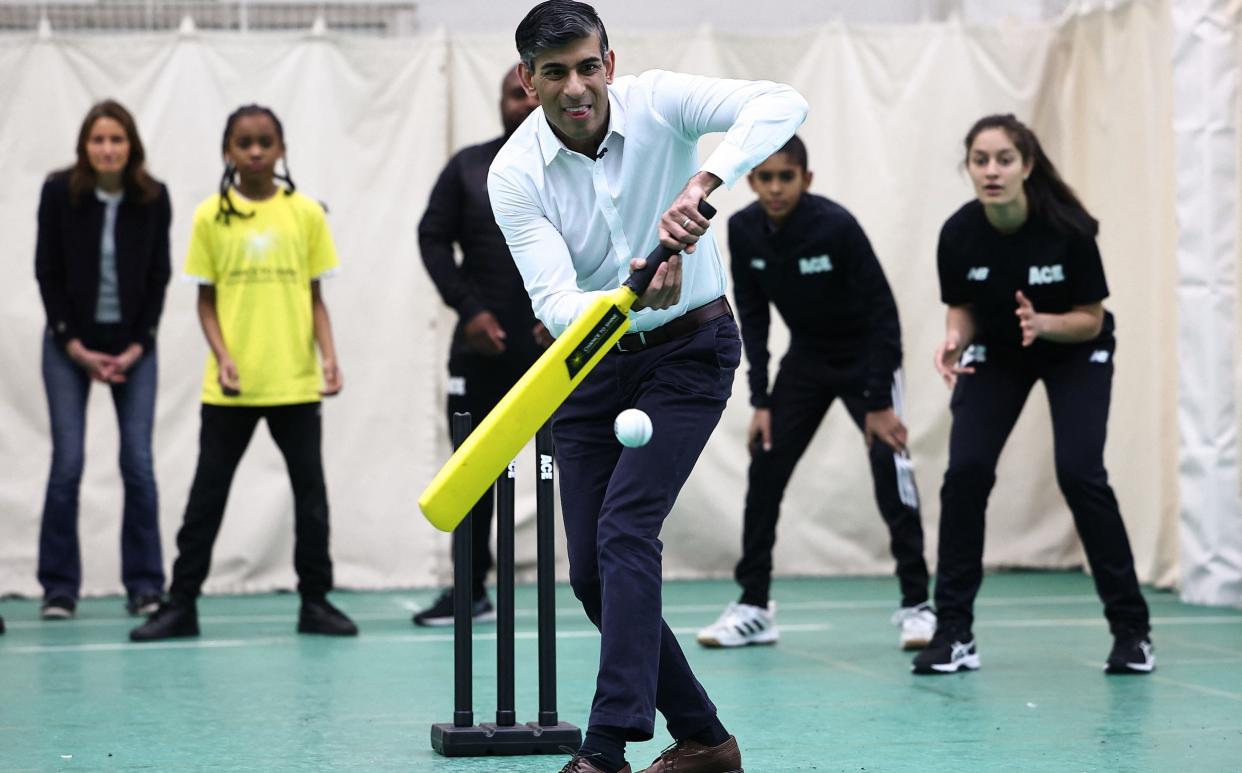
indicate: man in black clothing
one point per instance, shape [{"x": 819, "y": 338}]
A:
[
  {"x": 809, "y": 257},
  {"x": 497, "y": 337}
]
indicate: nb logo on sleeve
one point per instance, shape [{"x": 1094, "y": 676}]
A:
[
  {"x": 819, "y": 264},
  {"x": 758, "y": 264},
  {"x": 977, "y": 274},
  {"x": 1099, "y": 355},
  {"x": 1046, "y": 275},
  {"x": 457, "y": 386}
]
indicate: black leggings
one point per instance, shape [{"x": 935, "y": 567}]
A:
[{"x": 985, "y": 406}]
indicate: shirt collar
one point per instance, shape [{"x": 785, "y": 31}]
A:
[
  {"x": 550, "y": 145},
  {"x": 107, "y": 197}
]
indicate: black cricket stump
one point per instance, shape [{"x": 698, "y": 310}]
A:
[{"x": 548, "y": 735}]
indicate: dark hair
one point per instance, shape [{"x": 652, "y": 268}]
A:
[
  {"x": 1050, "y": 198},
  {"x": 796, "y": 150},
  {"x": 227, "y": 208},
  {"x": 134, "y": 178},
  {"x": 555, "y": 23}
]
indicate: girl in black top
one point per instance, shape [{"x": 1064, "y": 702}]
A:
[
  {"x": 102, "y": 264},
  {"x": 1023, "y": 280}
]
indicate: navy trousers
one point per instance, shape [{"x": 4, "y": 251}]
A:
[{"x": 615, "y": 499}]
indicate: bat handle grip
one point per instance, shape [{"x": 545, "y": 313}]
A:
[{"x": 640, "y": 279}]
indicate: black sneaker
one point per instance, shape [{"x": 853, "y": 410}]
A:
[
  {"x": 318, "y": 616},
  {"x": 1, "y": 625},
  {"x": 948, "y": 652},
  {"x": 58, "y": 608},
  {"x": 143, "y": 604},
  {"x": 171, "y": 621},
  {"x": 1132, "y": 654},
  {"x": 441, "y": 612}
]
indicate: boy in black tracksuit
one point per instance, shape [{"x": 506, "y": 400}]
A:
[{"x": 809, "y": 257}]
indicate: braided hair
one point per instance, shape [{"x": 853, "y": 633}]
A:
[
  {"x": 227, "y": 208},
  {"x": 1051, "y": 199}
]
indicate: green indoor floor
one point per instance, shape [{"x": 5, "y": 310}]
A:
[{"x": 834, "y": 695}]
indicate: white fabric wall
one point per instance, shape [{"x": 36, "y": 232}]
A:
[
  {"x": 369, "y": 125},
  {"x": 1205, "y": 76}
]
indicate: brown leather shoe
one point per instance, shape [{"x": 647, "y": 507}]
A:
[
  {"x": 694, "y": 757},
  {"x": 580, "y": 764}
]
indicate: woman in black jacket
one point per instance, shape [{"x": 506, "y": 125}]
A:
[{"x": 102, "y": 264}]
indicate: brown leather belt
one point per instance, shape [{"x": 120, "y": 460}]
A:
[{"x": 676, "y": 328}]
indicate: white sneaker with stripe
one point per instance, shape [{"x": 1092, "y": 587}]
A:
[{"x": 742, "y": 624}]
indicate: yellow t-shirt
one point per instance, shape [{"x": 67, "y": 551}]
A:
[{"x": 262, "y": 268}]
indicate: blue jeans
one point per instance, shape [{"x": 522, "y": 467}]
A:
[{"x": 60, "y": 562}]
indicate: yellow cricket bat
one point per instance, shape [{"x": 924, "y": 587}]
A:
[{"x": 476, "y": 464}]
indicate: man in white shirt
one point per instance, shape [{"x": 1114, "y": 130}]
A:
[{"x": 596, "y": 177}]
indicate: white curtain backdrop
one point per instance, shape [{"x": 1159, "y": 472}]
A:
[
  {"x": 369, "y": 123},
  {"x": 1207, "y": 54}
]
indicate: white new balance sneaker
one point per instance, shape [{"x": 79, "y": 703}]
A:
[
  {"x": 918, "y": 625},
  {"x": 742, "y": 624}
]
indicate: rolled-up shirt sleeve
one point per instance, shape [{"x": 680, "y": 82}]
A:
[
  {"x": 540, "y": 253},
  {"x": 758, "y": 117}
]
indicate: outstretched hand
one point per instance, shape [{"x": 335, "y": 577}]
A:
[{"x": 1028, "y": 319}]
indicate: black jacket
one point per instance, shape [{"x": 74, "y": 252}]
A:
[
  {"x": 823, "y": 277},
  {"x": 67, "y": 260},
  {"x": 487, "y": 279}
]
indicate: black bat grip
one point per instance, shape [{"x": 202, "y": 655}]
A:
[{"x": 640, "y": 279}]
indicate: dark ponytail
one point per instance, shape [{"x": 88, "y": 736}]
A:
[
  {"x": 227, "y": 208},
  {"x": 1050, "y": 198}
]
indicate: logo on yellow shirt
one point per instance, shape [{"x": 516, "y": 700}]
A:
[{"x": 259, "y": 244}]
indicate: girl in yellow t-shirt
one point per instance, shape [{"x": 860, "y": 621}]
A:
[{"x": 258, "y": 251}]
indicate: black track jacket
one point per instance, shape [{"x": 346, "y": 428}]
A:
[{"x": 822, "y": 275}]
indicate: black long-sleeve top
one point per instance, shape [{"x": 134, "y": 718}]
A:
[
  {"x": 820, "y": 272},
  {"x": 67, "y": 260},
  {"x": 459, "y": 211}
]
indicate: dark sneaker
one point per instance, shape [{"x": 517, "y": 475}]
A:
[
  {"x": 1132, "y": 654},
  {"x": 582, "y": 764},
  {"x": 948, "y": 652},
  {"x": 143, "y": 604},
  {"x": 441, "y": 612},
  {"x": 171, "y": 621},
  {"x": 694, "y": 757},
  {"x": 58, "y": 608},
  {"x": 318, "y": 616},
  {"x": 1, "y": 625}
]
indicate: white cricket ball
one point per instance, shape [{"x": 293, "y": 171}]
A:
[{"x": 632, "y": 427}]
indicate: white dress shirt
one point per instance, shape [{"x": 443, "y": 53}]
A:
[{"x": 574, "y": 222}]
